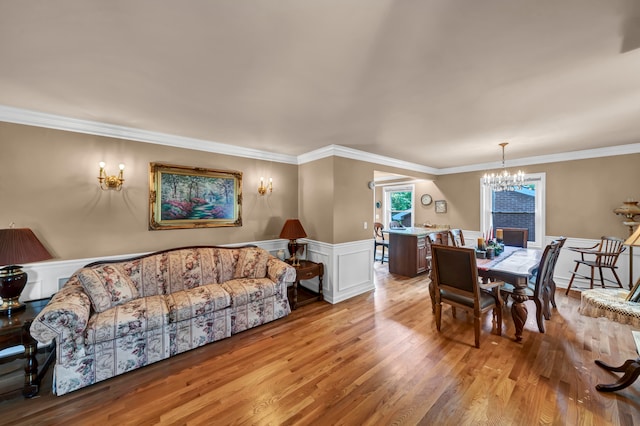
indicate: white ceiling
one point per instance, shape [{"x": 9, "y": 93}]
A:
[{"x": 434, "y": 82}]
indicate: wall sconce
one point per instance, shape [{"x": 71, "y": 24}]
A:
[
  {"x": 262, "y": 189},
  {"x": 110, "y": 182}
]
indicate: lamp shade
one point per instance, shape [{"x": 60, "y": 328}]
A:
[
  {"x": 634, "y": 239},
  {"x": 20, "y": 245},
  {"x": 292, "y": 229}
]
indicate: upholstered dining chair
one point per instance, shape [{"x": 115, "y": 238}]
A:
[
  {"x": 379, "y": 241},
  {"x": 435, "y": 238},
  {"x": 605, "y": 256},
  {"x": 535, "y": 292},
  {"x": 456, "y": 238},
  {"x": 515, "y": 237},
  {"x": 455, "y": 279}
]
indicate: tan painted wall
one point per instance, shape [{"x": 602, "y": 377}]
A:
[
  {"x": 48, "y": 183},
  {"x": 581, "y": 195},
  {"x": 316, "y": 192}
]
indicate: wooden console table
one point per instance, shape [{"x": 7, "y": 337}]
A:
[{"x": 14, "y": 331}]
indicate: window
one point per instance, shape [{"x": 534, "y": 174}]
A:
[
  {"x": 524, "y": 208},
  {"x": 398, "y": 204}
]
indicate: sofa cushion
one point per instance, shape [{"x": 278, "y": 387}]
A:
[
  {"x": 246, "y": 290},
  {"x": 252, "y": 263},
  {"x": 107, "y": 286},
  {"x": 193, "y": 302},
  {"x": 135, "y": 316}
]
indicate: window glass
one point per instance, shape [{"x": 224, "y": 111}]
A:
[
  {"x": 522, "y": 208},
  {"x": 398, "y": 205}
]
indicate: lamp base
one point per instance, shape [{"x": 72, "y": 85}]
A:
[
  {"x": 9, "y": 307},
  {"x": 12, "y": 282}
]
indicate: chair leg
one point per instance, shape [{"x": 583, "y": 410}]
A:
[
  {"x": 438, "y": 315},
  {"x": 601, "y": 277},
  {"x": 592, "y": 272},
  {"x": 617, "y": 277},
  {"x": 497, "y": 311},
  {"x": 572, "y": 277},
  {"x": 382, "y": 258},
  {"x": 552, "y": 292},
  {"x": 539, "y": 314},
  {"x": 476, "y": 330}
]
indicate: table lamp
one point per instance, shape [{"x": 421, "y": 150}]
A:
[
  {"x": 293, "y": 230},
  {"x": 17, "y": 246}
]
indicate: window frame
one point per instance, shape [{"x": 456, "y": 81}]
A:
[
  {"x": 539, "y": 180},
  {"x": 386, "y": 207}
]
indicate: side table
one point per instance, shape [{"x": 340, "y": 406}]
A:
[
  {"x": 14, "y": 331},
  {"x": 305, "y": 271}
]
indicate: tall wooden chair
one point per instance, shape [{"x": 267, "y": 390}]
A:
[
  {"x": 456, "y": 238},
  {"x": 536, "y": 291},
  {"x": 379, "y": 241},
  {"x": 515, "y": 237},
  {"x": 549, "y": 293},
  {"x": 605, "y": 256},
  {"x": 455, "y": 279}
]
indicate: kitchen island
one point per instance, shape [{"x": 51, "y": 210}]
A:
[{"x": 410, "y": 250}]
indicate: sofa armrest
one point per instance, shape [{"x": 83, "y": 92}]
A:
[
  {"x": 66, "y": 314},
  {"x": 279, "y": 271}
]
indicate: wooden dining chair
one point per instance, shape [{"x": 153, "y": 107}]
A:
[
  {"x": 549, "y": 292},
  {"x": 455, "y": 279},
  {"x": 535, "y": 292},
  {"x": 515, "y": 237},
  {"x": 456, "y": 238},
  {"x": 379, "y": 241},
  {"x": 605, "y": 256},
  {"x": 435, "y": 238}
]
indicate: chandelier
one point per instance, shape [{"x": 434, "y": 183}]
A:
[{"x": 504, "y": 181}]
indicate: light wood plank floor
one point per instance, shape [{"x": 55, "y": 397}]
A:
[{"x": 376, "y": 359}]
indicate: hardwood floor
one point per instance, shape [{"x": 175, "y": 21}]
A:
[{"x": 372, "y": 360}]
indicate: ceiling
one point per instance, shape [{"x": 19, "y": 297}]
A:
[{"x": 438, "y": 83}]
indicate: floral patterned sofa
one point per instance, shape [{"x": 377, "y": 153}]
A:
[{"x": 115, "y": 316}]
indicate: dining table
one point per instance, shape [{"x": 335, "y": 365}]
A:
[{"x": 515, "y": 265}]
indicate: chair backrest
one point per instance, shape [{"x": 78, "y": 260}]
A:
[
  {"x": 435, "y": 238},
  {"x": 455, "y": 271},
  {"x": 377, "y": 231},
  {"x": 515, "y": 237},
  {"x": 456, "y": 237},
  {"x": 560, "y": 241},
  {"x": 545, "y": 270},
  {"x": 609, "y": 250}
]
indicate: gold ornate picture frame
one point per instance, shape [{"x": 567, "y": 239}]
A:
[{"x": 192, "y": 197}]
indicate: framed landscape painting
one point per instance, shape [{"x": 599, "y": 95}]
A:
[{"x": 192, "y": 197}]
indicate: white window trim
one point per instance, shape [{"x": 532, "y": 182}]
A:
[
  {"x": 395, "y": 188},
  {"x": 540, "y": 180}
]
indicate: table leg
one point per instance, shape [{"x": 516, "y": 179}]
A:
[
  {"x": 31, "y": 364},
  {"x": 631, "y": 369},
  {"x": 295, "y": 294},
  {"x": 519, "y": 314}
]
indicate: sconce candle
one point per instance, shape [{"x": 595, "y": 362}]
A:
[
  {"x": 110, "y": 182},
  {"x": 262, "y": 189}
]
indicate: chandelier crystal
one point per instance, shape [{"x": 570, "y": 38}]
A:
[{"x": 503, "y": 180}]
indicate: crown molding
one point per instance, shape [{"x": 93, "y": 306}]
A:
[
  {"x": 354, "y": 154},
  {"x": 58, "y": 122},
  {"x": 611, "y": 151}
]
